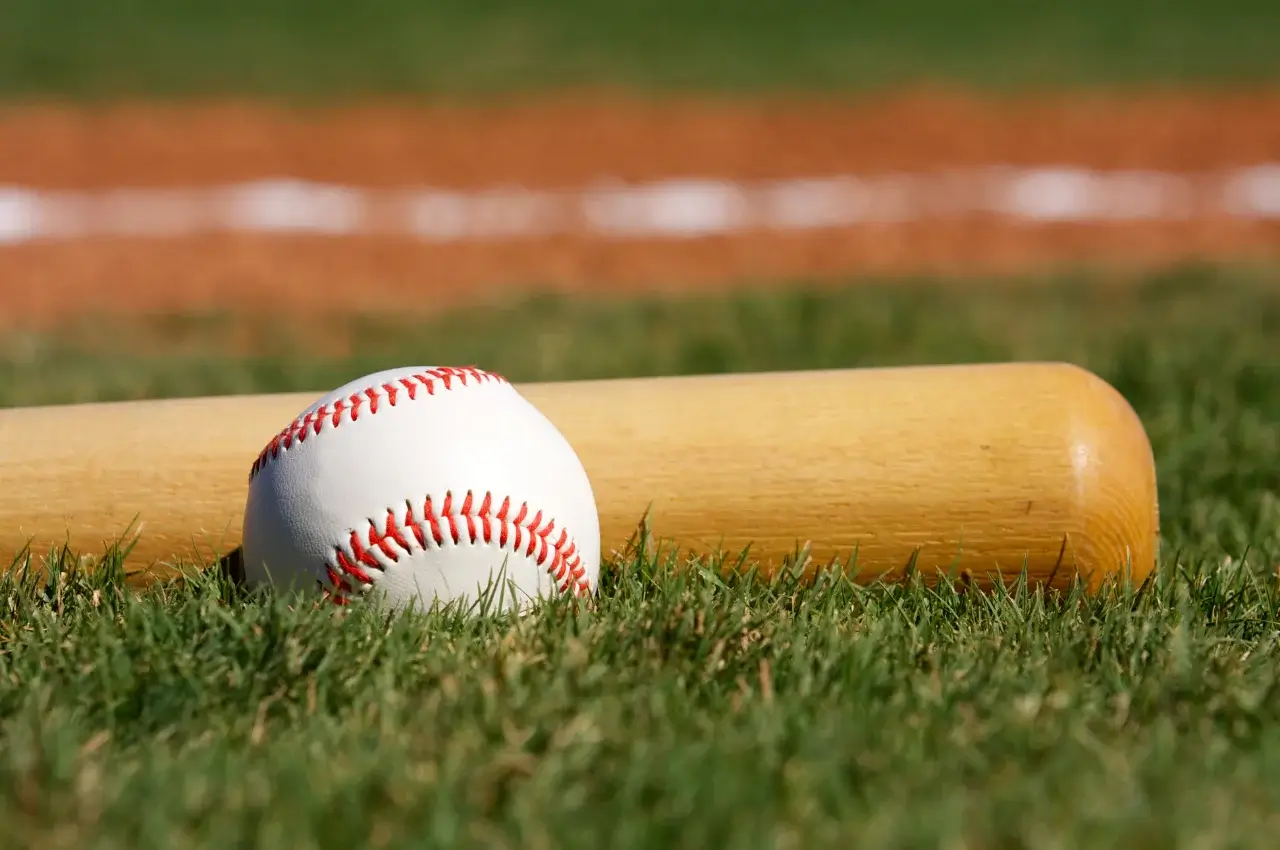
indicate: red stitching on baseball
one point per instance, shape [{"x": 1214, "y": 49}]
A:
[
  {"x": 349, "y": 408},
  {"x": 559, "y": 557}
]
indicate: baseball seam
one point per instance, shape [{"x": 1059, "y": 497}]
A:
[
  {"x": 354, "y": 563},
  {"x": 349, "y": 409}
]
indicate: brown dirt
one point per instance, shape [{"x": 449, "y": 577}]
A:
[{"x": 568, "y": 142}]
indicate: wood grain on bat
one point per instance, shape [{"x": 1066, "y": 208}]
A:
[{"x": 966, "y": 468}]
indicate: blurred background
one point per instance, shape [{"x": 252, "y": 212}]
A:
[{"x": 306, "y": 158}]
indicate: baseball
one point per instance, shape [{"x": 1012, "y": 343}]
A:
[{"x": 423, "y": 484}]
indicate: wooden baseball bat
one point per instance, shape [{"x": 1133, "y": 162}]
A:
[{"x": 976, "y": 471}]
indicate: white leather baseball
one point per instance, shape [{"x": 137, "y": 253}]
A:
[{"x": 422, "y": 484}]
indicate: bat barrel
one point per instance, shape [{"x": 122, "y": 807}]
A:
[{"x": 973, "y": 469}]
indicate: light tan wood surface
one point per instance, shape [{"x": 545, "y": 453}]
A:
[{"x": 975, "y": 469}]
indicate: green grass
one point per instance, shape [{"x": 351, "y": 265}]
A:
[
  {"x": 679, "y": 710},
  {"x": 325, "y": 49}
]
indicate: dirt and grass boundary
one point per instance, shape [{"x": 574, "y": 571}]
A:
[{"x": 124, "y": 209}]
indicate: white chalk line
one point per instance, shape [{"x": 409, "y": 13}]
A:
[{"x": 671, "y": 209}]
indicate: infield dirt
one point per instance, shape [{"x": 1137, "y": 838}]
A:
[{"x": 573, "y": 141}]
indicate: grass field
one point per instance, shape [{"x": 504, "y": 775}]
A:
[
  {"x": 684, "y": 711},
  {"x": 327, "y": 49}
]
